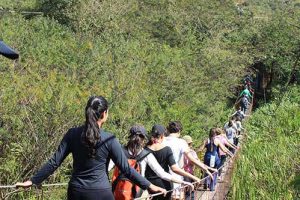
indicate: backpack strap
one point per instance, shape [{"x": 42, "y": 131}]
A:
[
  {"x": 99, "y": 144},
  {"x": 102, "y": 142},
  {"x": 139, "y": 158},
  {"x": 142, "y": 155},
  {"x": 126, "y": 152}
]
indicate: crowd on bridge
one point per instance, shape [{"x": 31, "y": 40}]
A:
[{"x": 157, "y": 161}]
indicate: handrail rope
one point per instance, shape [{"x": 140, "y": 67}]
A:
[
  {"x": 7, "y": 186},
  {"x": 44, "y": 185}
]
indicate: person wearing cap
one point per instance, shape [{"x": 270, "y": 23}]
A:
[
  {"x": 188, "y": 166},
  {"x": 180, "y": 148},
  {"x": 164, "y": 156},
  {"x": 135, "y": 147}
]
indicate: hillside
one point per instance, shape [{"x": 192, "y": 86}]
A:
[{"x": 154, "y": 60}]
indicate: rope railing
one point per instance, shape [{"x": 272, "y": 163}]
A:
[
  {"x": 44, "y": 185},
  {"x": 7, "y": 186}
]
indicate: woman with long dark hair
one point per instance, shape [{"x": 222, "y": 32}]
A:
[{"x": 91, "y": 148}]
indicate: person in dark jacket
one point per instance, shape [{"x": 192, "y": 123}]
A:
[{"x": 91, "y": 148}]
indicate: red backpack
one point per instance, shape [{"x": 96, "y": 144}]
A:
[{"x": 122, "y": 187}]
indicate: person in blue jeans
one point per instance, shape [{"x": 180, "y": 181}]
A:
[{"x": 212, "y": 158}]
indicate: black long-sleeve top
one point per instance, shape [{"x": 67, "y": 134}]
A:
[{"x": 90, "y": 173}]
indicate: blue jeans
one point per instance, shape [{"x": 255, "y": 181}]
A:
[{"x": 212, "y": 182}]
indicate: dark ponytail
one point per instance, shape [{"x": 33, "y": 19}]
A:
[
  {"x": 151, "y": 141},
  {"x": 135, "y": 144},
  {"x": 94, "y": 110}
]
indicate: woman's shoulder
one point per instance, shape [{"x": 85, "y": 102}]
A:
[
  {"x": 166, "y": 149},
  {"x": 107, "y": 137},
  {"x": 74, "y": 131},
  {"x": 105, "y": 134},
  {"x": 162, "y": 149}
]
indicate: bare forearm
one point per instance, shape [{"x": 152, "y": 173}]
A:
[
  {"x": 228, "y": 143},
  {"x": 196, "y": 162},
  {"x": 229, "y": 153},
  {"x": 232, "y": 146},
  {"x": 225, "y": 150},
  {"x": 181, "y": 172}
]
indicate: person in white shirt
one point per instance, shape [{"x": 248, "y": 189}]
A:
[{"x": 180, "y": 148}]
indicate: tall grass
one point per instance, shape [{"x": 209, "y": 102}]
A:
[{"x": 269, "y": 166}]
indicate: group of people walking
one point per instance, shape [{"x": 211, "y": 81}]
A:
[{"x": 156, "y": 161}]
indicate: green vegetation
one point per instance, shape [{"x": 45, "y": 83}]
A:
[
  {"x": 155, "y": 60},
  {"x": 269, "y": 165}
]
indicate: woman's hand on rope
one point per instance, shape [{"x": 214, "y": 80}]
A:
[
  {"x": 198, "y": 180},
  {"x": 212, "y": 169},
  {"x": 25, "y": 184},
  {"x": 189, "y": 184},
  {"x": 157, "y": 189}
]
